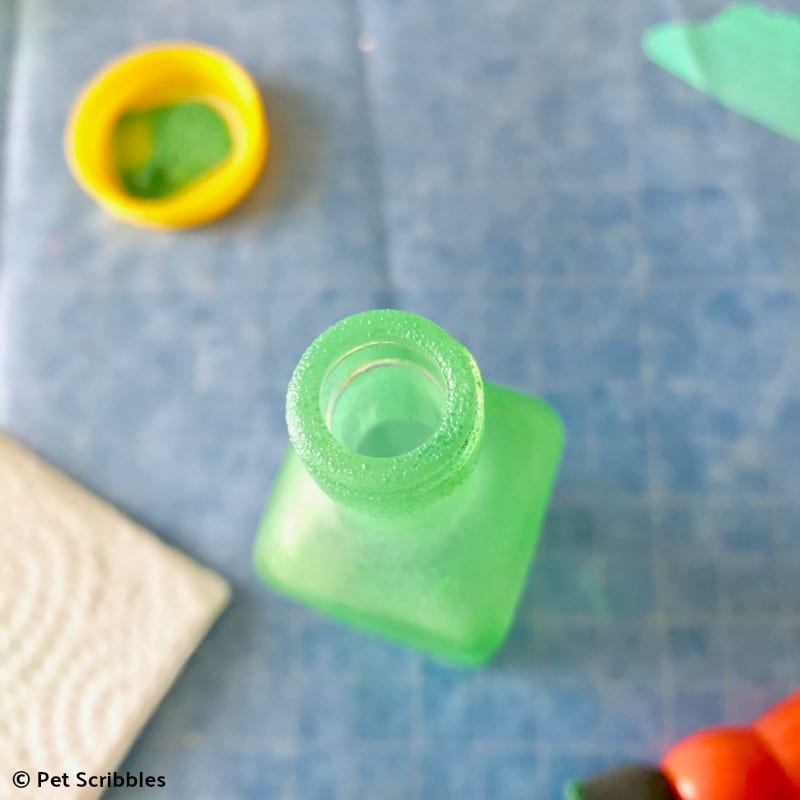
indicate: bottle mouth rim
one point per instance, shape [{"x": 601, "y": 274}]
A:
[{"x": 421, "y": 474}]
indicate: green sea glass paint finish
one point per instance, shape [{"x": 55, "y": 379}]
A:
[
  {"x": 161, "y": 150},
  {"x": 747, "y": 57},
  {"x": 410, "y": 500}
]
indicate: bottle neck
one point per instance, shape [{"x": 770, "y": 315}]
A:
[{"x": 385, "y": 410}]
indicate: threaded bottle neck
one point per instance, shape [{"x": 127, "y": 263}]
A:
[{"x": 385, "y": 410}]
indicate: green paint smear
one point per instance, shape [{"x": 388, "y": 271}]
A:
[
  {"x": 161, "y": 150},
  {"x": 747, "y": 57}
]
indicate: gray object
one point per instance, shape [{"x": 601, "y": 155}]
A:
[{"x": 636, "y": 782}]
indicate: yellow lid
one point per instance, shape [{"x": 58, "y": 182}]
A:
[{"x": 163, "y": 73}]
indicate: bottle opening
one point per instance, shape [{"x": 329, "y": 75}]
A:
[
  {"x": 385, "y": 410},
  {"x": 383, "y": 399}
]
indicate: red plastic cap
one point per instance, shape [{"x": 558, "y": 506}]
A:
[
  {"x": 780, "y": 729},
  {"x": 727, "y": 764}
]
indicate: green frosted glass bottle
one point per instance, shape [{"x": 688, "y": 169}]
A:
[{"x": 411, "y": 498}]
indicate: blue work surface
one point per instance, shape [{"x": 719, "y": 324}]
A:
[{"x": 593, "y": 230}]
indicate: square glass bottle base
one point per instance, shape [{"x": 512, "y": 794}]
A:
[{"x": 446, "y": 578}]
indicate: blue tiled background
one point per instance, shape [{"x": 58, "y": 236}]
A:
[{"x": 592, "y": 229}]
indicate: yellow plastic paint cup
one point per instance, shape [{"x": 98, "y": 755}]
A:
[{"x": 159, "y": 74}]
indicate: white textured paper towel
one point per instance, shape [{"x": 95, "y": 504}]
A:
[{"x": 97, "y": 617}]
